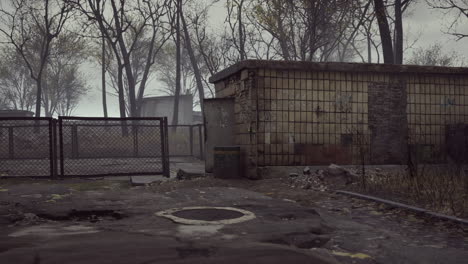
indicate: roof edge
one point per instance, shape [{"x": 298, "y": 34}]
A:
[{"x": 333, "y": 66}]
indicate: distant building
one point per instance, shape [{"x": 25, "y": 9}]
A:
[
  {"x": 16, "y": 113},
  {"x": 197, "y": 117},
  {"x": 160, "y": 106}
]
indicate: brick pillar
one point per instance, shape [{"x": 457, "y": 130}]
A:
[{"x": 388, "y": 122}]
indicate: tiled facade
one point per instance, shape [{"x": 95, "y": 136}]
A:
[{"x": 290, "y": 113}]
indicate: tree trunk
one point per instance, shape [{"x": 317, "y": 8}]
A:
[
  {"x": 126, "y": 60},
  {"x": 241, "y": 31},
  {"x": 398, "y": 33},
  {"x": 122, "y": 99},
  {"x": 282, "y": 40},
  {"x": 175, "y": 113},
  {"x": 38, "y": 97},
  {"x": 369, "y": 49},
  {"x": 384, "y": 30},
  {"x": 121, "y": 91},
  {"x": 104, "y": 98},
  {"x": 144, "y": 79},
  {"x": 193, "y": 61}
]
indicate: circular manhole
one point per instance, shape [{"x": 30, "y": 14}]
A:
[{"x": 203, "y": 215}]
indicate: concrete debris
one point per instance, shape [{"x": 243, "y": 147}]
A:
[
  {"x": 337, "y": 171},
  {"x": 293, "y": 175},
  {"x": 188, "y": 175},
  {"x": 335, "y": 177}
]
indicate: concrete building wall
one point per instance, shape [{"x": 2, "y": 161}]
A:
[
  {"x": 164, "y": 106},
  {"x": 220, "y": 127},
  {"x": 290, "y": 113}
]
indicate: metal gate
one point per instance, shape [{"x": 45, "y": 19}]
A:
[
  {"x": 83, "y": 146},
  {"x": 113, "y": 146}
]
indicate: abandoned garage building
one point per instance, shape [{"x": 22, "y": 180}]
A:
[{"x": 306, "y": 113}]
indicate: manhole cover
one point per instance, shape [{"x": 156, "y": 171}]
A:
[{"x": 207, "y": 215}]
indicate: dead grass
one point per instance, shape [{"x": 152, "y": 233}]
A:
[{"x": 440, "y": 188}]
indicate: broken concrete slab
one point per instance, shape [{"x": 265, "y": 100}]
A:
[{"x": 145, "y": 179}]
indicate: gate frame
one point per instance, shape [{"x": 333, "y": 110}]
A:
[{"x": 164, "y": 145}]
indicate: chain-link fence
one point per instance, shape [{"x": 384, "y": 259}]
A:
[
  {"x": 75, "y": 146},
  {"x": 113, "y": 146},
  {"x": 186, "y": 141},
  {"x": 26, "y": 147}
]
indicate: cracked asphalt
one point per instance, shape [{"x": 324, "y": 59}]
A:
[{"x": 109, "y": 221}]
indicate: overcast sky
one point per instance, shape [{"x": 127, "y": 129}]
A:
[{"x": 426, "y": 24}]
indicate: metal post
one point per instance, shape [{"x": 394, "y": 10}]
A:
[
  {"x": 11, "y": 146},
  {"x": 164, "y": 146},
  {"x": 54, "y": 143},
  {"x": 135, "y": 140},
  {"x": 200, "y": 136},
  {"x": 62, "y": 157},
  {"x": 191, "y": 140},
  {"x": 74, "y": 141},
  {"x": 51, "y": 146}
]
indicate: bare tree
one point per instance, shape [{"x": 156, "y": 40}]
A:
[
  {"x": 193, "y": 60},
  {"x": 434, "y": 56},
  {"x": 22, "y": 17},
  {"x": 235, "y": 20},
  {"x": 392, "y": 48},
  {"x": 307, "y": 30},
  {"x": 17, "y": 89},
  {"x": 175, "y": 116},
  {"x": 130, "y": 28},
  {"x": 63, "y": 82},
  {"x": 456, "y": 11}
]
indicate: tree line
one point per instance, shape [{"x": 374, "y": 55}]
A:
[{"x": 45, "y": 45}]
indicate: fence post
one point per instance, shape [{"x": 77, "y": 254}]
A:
[
  {"x": 200, "y": 136},
  {"x": 135, "y": 139},
  {"x": 52, "y": 145},
  {"x": 74, "y": 141},
  {"x": 62, "y": 157},
  {"x": 11, "y": 145},
  {"x": 191, "y": 140},
  {"x": 164, "y": 146}
]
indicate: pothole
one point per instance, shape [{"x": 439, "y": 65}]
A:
[
  {"x": 92, "y": 216},
  {"x": 204, "y": 215}
]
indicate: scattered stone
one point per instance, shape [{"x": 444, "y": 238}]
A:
[
  {"x": 306, "y": 171},
  {"x": 337, "y": 171},
  {"x": 293, "y": 175},
  {"x": 186, "y": 175},
  {"x": 320, "y": 175}
]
